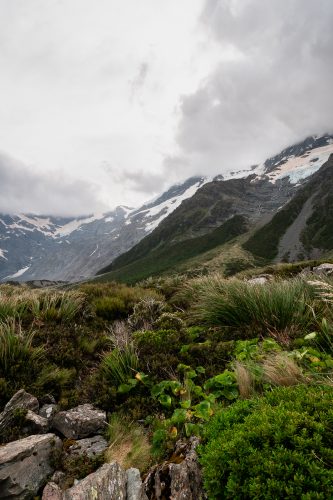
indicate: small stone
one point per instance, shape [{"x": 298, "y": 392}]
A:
[
  {"x": 59, "y": 477},
  {"x": 325, "y": 268},
  {"x": 20, "y": 401},
  {"x": 47, "y": 399}
]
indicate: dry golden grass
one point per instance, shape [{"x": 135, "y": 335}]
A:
[
  {"x": 244, "y": 379},
  {"x": 281, "y": 370},
  {"x": 129, "y": 445}
]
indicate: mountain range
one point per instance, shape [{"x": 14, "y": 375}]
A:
[{"x": 278, "y": 210}]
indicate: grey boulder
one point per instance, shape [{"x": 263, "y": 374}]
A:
[
  {"x": 80, "y": 422},
  {"x": 22, "y": 400},
  {"x": 35, "y": 424},
  {"x": 107, "y": 483},
  {"x": 180, "y": 478},
  {"x": 91, "y": 447},
  {"x": 26, "y": 464}
]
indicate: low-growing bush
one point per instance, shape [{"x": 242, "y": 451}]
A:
[
  {"x": 110, "y": 308},
  {"x": 146, "y": 313},
  {"x": 277, "y": 446}
]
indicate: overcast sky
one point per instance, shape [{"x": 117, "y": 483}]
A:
[{"x": 107, "y": 102}]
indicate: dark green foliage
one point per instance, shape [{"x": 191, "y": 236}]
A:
[
  {"x": 161, "y": 351},
  {"x": 110, "y": 308},
  {"x": 278, "y": 446},
  {"x": 136, "y": 264}
]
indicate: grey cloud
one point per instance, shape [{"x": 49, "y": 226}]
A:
[
  {"x": 138, "y": 82},
  {"x": 276, "y": 90},
  {"x": 137, "y": 180},
  {"x": 23, "y": 190}
]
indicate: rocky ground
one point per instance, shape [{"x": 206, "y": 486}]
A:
[{"x": 30, "y": 466}]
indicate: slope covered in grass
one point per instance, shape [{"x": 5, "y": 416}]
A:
[{"x": 169, "y": 256}]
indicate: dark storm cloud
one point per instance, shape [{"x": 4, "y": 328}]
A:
[
  {"x": 42, "y": 194},
  {"x": 274, "y": 89}
]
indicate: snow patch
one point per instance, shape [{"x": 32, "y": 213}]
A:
[
  {"x": 75, "y": 224},
  {"x": 19, "y": 272},
  {"x": 2, "y": 254},
  {"x": 168, "y": 206},
  {"x": 300, "y": 167}
]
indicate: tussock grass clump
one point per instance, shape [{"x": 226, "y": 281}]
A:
[
  {"x": 16, "y": 349},
  {"x": 120, "y": 365},
  {"x": 276, "y": 369},
  {"x": 275, "y": 307},
  {"x": 129, "y": 444},
  {"x": 115, "y": 301},
  {"x": 245, "y": 380},
  {"x": 45, "y": 305},
  {"x": 279, "y": 369}
]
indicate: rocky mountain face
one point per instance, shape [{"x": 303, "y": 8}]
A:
[
  {"x": 303, "y": 228},
  {"x": 52, "y": 248},
  {"x": 228, "y": 207}
]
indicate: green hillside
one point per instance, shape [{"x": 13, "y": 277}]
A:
[{"x": 170, "y": 256}]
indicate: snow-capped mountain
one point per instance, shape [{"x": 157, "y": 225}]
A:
[
  {"x": 238, "y": 204},
  {"x": 46, "y": 247},
  {"x": 39, "y": 247}
]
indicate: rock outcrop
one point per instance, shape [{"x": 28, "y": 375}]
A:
[
  {"x": 109, "y": 482},
  {"x": 26, "y": 464}
]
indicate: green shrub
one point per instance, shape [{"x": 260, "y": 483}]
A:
[
  {"x": 279, "y": 446},
  {"x": 146, "y": 313},
  {"x": 110, "y": 308}
]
